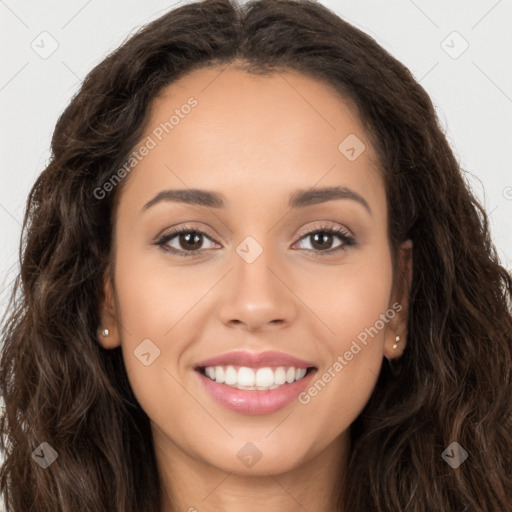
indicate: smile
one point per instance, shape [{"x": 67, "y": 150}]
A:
[
  {"x": 254, "y": 382},
  {"x": 254, "y": 379}
]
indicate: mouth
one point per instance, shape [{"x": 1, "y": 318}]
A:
[
  {"x": 254, "y": 390},
  {"x": 247, "y": 378},
  {"x": 254, "y": 382}
]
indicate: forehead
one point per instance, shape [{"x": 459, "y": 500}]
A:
[{"x": 221, "y": 127}]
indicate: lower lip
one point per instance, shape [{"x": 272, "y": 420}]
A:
[{"x": 255, "y": 402}]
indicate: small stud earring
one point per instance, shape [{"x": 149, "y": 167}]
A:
[
  {"x": 397, "y": 339},
  {"x": 105, "y": 332}
]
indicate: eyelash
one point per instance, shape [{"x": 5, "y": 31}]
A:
[{"x": 346, "y": 238}]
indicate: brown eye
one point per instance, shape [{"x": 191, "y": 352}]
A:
[
  {"x": 322, "y": 240},
  {"x": 183, "y": 242},
  {"x": 191, "y": 240}
]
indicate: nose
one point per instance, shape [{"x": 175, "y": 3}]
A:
[{"x": 258, "y": 295}]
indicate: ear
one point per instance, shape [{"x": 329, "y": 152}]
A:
[
  {"x": 397, "y": 326},
  {"x": 108, "y": 317}
]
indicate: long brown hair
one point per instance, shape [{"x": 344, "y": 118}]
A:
[{"x": 454, "y": 380}]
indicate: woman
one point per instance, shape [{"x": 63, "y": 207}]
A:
[{"x": 254, "y": 276}]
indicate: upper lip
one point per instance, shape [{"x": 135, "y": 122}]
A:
[{"x": 255, "y": 359}]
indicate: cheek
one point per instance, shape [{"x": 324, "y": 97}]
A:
[
  {"x": 156, "y": 313},
  {"x": 348, "y": 298},
  {"x": 355, "y": 312},
  {"x": 153, "y": 295}
]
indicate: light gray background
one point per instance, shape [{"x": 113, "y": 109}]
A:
[{"x": 472, "y": 93}]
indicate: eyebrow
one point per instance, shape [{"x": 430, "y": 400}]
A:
[{"x": 298, "y": 199}]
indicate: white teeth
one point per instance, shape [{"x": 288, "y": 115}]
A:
[
  {"x": 255, "y": 379},
  {"x": 280, "y": 376},
  {"x": 264, "y": 377},
  {"x": 246, "y": 377},
  {"x": 231, "y": 376},
  {"x": 299, "y": 373},
  {"x": 219, "y": 374}
]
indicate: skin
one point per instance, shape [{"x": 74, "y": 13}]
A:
[{"x": 255, "y": 139}]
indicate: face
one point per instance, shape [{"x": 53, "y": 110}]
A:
[{"x": 269, "y": 267}]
